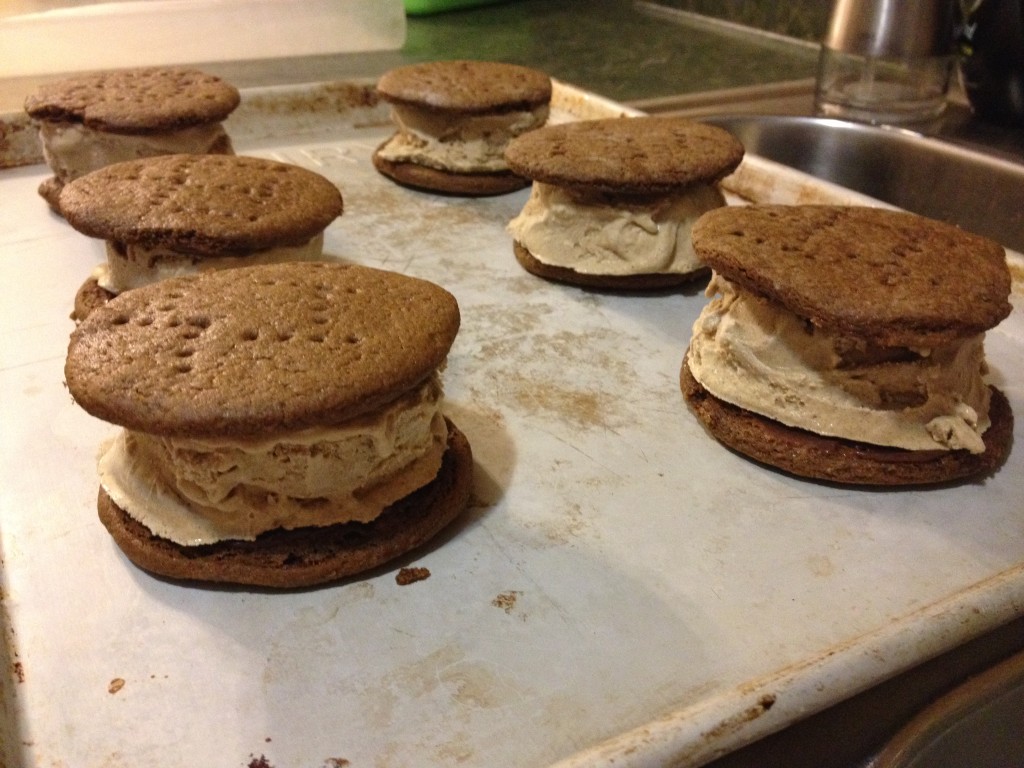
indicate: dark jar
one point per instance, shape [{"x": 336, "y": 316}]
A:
[{"x": 991, "y": 42}]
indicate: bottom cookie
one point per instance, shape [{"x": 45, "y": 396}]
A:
[
  {"x": 90, "y": 296},
  {"x": 836, "y": 460},
  {"x": 651, "y": 282},
  {"x": 306, "y": 557},
  {"x": 49, "y": 190},
  {"x": 429, "y": 179}
]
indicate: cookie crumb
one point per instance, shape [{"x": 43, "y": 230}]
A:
[
  {"x": 506, "y": 600},
  {"x": 410, "y": 575}
]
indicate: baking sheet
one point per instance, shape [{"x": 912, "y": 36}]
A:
[{"x": 624, "y": 591}]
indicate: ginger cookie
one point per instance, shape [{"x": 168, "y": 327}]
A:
[
  {"x": 846, "y": 344},
  {"x": 92, "y": 120},
  {"x": 613, "y": 200},
  {"x": 454, "y": 120},
  {"x": 283, "y": 423},
  {"x": 176, "y": 214}
]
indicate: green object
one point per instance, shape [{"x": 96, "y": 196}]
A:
[{"x": 423, "y": 7}]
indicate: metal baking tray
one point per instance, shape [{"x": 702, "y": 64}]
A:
[{"x": 623, "y": 591}]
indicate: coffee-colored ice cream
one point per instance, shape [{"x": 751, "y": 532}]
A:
[
  {"x": 601, "y": 234},
  {"x": 467, "y": 143},
  {"x": 752, "y": 353},
  {"x": 72, "y": 149},
  {"x": 202, "y": 491},
  {"x": 132, "y": 265}
]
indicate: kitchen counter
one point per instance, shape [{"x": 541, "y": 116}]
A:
[
  {"x": 657, "y": 56},
  {"x": 626, "y": 51}
]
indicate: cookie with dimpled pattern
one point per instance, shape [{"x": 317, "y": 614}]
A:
[
  {"x": 471, "y": 105},
  {"x": 179, "y": 213},
  {"x": 628, "y": 182},
  {"x": 285, "y": 360},
  {"x": 895, "y": 282},
  {"x": 128, "y": 113}
]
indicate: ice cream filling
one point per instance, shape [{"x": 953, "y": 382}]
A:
[
  {"x": 131, "y": 265},
  {"x": 604, "y": 235},
  {"x": 752, "y": 353},
  {"x": 195, "y": 491},
  {"x": 463, "y": 143},
  {"x": 72, "y": 150}
]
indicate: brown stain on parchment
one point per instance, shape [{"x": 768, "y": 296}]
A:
[
  {"x": 563, "y": 526},
  {"x": 468, "y": 685},
  {"x": 570, "y": 525},
  {"x": 411, "y": 223},
  {"x": 556, "y": 374},
  {"x": 456, "y": 751},
  {"x": 820, "y": 565}
]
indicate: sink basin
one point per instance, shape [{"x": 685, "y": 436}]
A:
[
  {"x": 976, "y": 725},
  {"x": 925, "y": 175}
]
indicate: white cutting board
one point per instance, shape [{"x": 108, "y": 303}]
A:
[{"x": 160, "y": 32}]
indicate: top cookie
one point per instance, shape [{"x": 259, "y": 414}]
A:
[
  {"x": 136, "y": 101},
  {"x": 202, "y": 204},
  {"x": 259, "y": 350},
  {"x": 628, "y": 155},
  {"x": 890, "y": 277},
  {"x": 466, "y": 87}
]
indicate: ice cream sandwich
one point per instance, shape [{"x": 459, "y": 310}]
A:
[
  {"x": 88, "y": 121},
  {"x": 613, "y": 200},
  {"x": 176, "y": 214},
  {"x": 454, "y": 120},
  {"x": 282, "y": 424},
  {"x": 846, "y": 344}
]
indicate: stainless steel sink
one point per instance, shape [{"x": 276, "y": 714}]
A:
[
  {"x": 933, "y": 177},
  {"x": 976, "y": 725}
]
